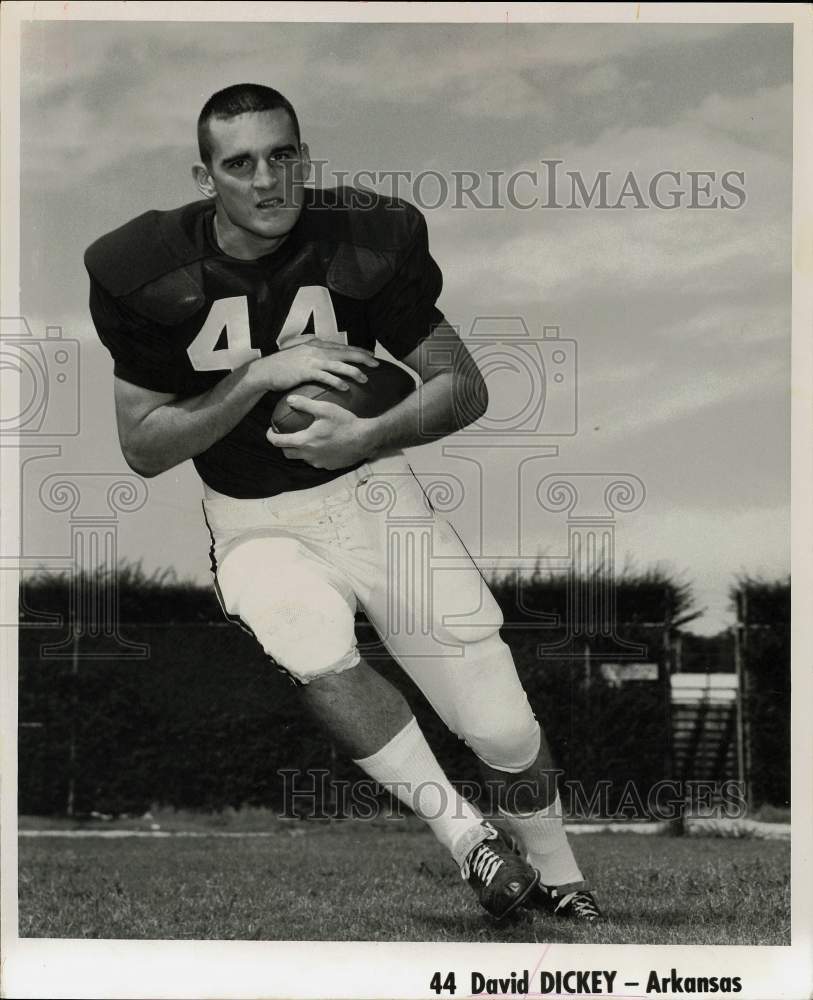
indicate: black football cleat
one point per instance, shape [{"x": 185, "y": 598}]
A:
[
  {"x": 563, "y": 902},
  {"x": 567, "y": 904},
  {"x": 501, "y": 880}
]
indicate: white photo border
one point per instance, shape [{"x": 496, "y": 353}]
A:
[{"x": 74, "y": 968}]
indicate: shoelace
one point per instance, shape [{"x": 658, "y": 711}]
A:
[
  {"x": 482, "y": 862},
  {"x": 582, "y": 903}
]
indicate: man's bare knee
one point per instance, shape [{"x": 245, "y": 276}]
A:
[
  {"x": 359, "y": 708},
  {"x": 359, "y": 681}
]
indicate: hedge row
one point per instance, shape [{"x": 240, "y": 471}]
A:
[{"x": 203, "y": 721}]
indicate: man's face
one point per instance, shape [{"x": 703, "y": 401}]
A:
[{"x": 257, "y": 173}]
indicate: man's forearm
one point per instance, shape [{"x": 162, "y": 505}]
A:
[
  {"x": 439, "y": 407},
  {"x": 182, "y": 429}
]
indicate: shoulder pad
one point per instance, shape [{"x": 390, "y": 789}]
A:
[
  {"x": 367, "y": 236},
  {"x": 145, "y": 249}
]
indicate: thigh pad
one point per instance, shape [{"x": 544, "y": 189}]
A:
[{"x": 297, "y": 606}]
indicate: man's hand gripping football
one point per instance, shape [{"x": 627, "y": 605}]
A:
[
  {"x": 336, "y": 439},
  {"x": 312, "y": 360}
]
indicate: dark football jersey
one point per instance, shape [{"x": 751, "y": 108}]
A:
[{"x": 177, "y": 314}]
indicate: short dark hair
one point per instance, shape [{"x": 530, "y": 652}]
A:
[{"x": 239, "y": 99}]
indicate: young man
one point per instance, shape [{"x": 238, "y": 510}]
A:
[{"x": 212, "y": 313}]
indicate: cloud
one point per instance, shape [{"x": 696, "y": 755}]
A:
[
  {"x": 600, "y": 80},
  {"x": 96, "y": 94},
  {"x": 420, "y": 62},
  {"x": 764, "y": 118},
  {"x": 712, "y": 546},
  {"x": 744, "y": 325},
  {"x": 677, "y": 394},
  {"x": 681, "y": 317},
  {"x": 559, "y": 254}
]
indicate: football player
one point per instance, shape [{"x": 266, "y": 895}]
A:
[{"x": 215, "y": 311}]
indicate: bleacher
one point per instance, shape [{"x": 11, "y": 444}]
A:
[{"x": 704, "y": 726}]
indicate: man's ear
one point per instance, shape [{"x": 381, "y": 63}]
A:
[
  {"x": 204, "y": 181},
  {"x": 305, "y": 156}
]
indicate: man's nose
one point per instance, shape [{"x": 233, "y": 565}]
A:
[{"x": 264, "y": 176}]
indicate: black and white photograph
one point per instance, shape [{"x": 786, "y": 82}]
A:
[{"x": 405, "y": 451}]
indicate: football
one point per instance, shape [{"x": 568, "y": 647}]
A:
[{"x": 386, "y": 385}]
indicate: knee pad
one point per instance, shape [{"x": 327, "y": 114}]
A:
[
  {"x": 298, "y": 609},
  {"x": 493, "y": 714}
]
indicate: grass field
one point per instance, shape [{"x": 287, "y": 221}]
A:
[{"x": 389, "y": 881}]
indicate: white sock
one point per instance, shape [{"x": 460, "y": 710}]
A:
[
  {"x": 407, "y": 767},
  {"x": 542, "y": 835}
]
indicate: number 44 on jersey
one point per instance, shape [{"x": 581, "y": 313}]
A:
[{"x": 224, "y": 340}]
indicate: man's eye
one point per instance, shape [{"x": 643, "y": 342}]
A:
[
  {"x": 288, "y": 155},
  {"x": 237, "y": 164}
]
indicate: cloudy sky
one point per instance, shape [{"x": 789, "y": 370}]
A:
[{"x": 681, "y": 317}]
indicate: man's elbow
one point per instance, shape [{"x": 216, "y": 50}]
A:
[
  {"x": 142, "y": 464},
  {"x": 141, "y": 468}
]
